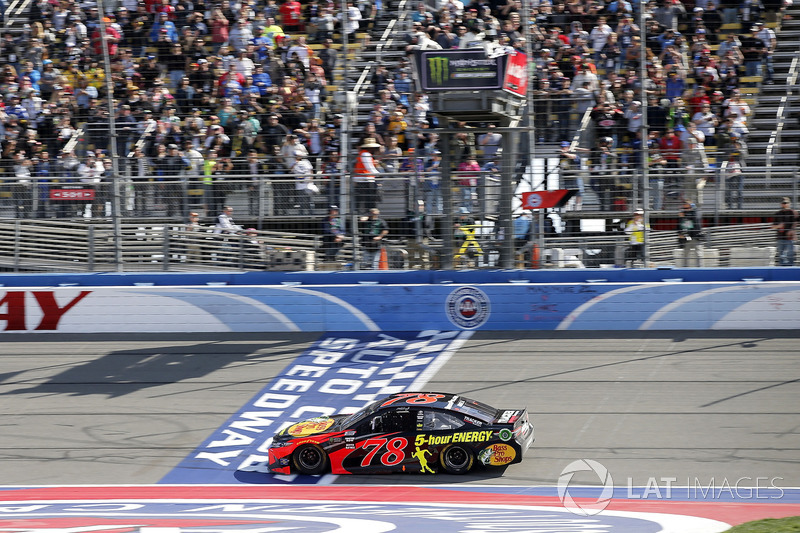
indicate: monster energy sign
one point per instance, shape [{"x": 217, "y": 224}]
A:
[{"x": 448, "y": 70}]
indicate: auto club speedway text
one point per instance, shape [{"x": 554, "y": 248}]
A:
[{"x": 353, "y": 372}]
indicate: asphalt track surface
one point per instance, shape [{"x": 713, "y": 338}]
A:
[{"x": 690, "y": 406}]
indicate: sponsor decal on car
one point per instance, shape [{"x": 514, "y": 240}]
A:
[
  {"x": 310, "y": 427},
  {"x": 505, "y": 434},
  {"x": 497, "y": 455},
  {"x": 508, "y": 416},
  {"x": 468, "y": 436},
  {"x": 473, "y": 421}
]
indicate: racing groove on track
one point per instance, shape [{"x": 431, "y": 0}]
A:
[{"x": 722, "y": 405}]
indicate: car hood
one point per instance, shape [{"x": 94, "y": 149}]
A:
[{"x": 312, "y": 426}]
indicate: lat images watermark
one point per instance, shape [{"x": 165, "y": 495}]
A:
[
  {"x": 567, "y": 493},
  {"x": 584, "y": 500}
]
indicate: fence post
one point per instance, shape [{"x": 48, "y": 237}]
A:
[
  {"x": 165, "y": 251},
  {"x": 17, "y": 241},
  {"x": 91, "y": 248}
]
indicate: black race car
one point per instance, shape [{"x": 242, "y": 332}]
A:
[{"x": 423, "y": 432}]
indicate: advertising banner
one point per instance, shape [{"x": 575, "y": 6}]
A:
[
  {"x": 516, "y": 78},
  {"x": 448, "y": 70},
  {"x": 71, "y": 194},
  {"x": 546, "y": 199}
]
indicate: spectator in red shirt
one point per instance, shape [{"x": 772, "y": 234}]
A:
[
  {"x": 291, "y": 15},
  {"x": 113, "y": 37},
  {"x": 671, "y": 146},
  {"x": 698, "y": 99}
]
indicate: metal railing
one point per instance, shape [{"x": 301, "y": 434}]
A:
[
  {"x": 15, "y": 8},
  {"x": 262, "y": 197},
  {"x": 774, "y": 145},
  {"x": 54, "y": 246}
]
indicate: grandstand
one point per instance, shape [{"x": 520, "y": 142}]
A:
[{"x": 191, "y": 131}]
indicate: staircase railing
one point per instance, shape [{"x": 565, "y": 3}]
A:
[
  {"x": 16, "y": 7},
  {"x": 773, "y": 147},
  {"x": 386, "y": 41}
]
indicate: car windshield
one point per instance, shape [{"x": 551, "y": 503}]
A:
[{"x": 362, "y": 414}]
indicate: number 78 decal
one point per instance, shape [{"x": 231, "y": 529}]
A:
[{"x": 395, "y": 450}]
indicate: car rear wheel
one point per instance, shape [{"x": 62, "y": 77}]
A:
[
  {"x": 456, "y": 459},
  {"x": 310, "y": 459}
]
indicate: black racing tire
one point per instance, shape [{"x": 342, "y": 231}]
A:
[
  {"x": 310, "y": 459},
  {"x": 456, "y": 459}
]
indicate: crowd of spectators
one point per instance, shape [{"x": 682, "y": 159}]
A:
[
  {"x": 213, "y": 88},
  {"x": 199, "y": 88},
  {"x": 588, "y": 56}
]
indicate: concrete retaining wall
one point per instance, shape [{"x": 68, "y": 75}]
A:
[{"x": 673, "y": 299}]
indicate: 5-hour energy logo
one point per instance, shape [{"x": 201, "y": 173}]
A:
[{"x": 469, "y": 436}]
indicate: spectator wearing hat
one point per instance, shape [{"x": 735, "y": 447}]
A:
[
  {"x": 365, "y": 174},
  {"x": 635, "y": 229},
  {"x": 738, "y": 110},
  {"x": 241, "y": 34},
  {"x": 305, "y": 188},
  {"x": 158, "y": 33},
  {"x": 753, "y": 50},
  {"x": 767, "y": 37},
  {"x": 113, "y": 38},
  {"x": 373, "y": 231}
]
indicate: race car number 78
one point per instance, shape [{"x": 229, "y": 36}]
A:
[
  {"x": 395, "y": 453},
  {"x": 414, "y": 398}
]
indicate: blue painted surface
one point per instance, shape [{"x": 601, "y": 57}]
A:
[
  {"x": 410, "y": 277},
  {"x": 662, "y": 304},
  {"x": 337, "y": 374}
]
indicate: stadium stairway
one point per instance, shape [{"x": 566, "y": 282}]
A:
[{"x": 763, "y": 188}]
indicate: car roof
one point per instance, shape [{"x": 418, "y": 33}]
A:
[
  {"x": 441, "y": 400},
  {"x": 454, "y": 403}
]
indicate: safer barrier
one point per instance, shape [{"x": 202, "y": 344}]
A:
[{"x": 663, "y": 299}]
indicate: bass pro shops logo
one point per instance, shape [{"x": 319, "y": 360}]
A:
[
  {"x": 439, "y": 69},
  {"x": 468, "y": 307}
]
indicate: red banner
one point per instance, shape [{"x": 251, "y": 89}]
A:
[
  {"x": 516, "y": 78},
  {"x": 545, "y": 199},
  {"x": 72, "y": 194}
]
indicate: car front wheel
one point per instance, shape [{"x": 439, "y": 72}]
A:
[
  {"x": 456, "y": 459},
  {"x": 310, "y": 459}
]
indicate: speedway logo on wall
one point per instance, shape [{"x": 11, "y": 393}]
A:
[
  {"x": 468, "y": 307},
  {"x": 448, "y": 70},
  {"x": 337, "y": 375}
]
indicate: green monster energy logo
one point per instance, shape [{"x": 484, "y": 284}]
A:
[{"x": 439, "y": 70}]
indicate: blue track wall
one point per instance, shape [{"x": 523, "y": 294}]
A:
[{"x": 613, "y": 299}]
